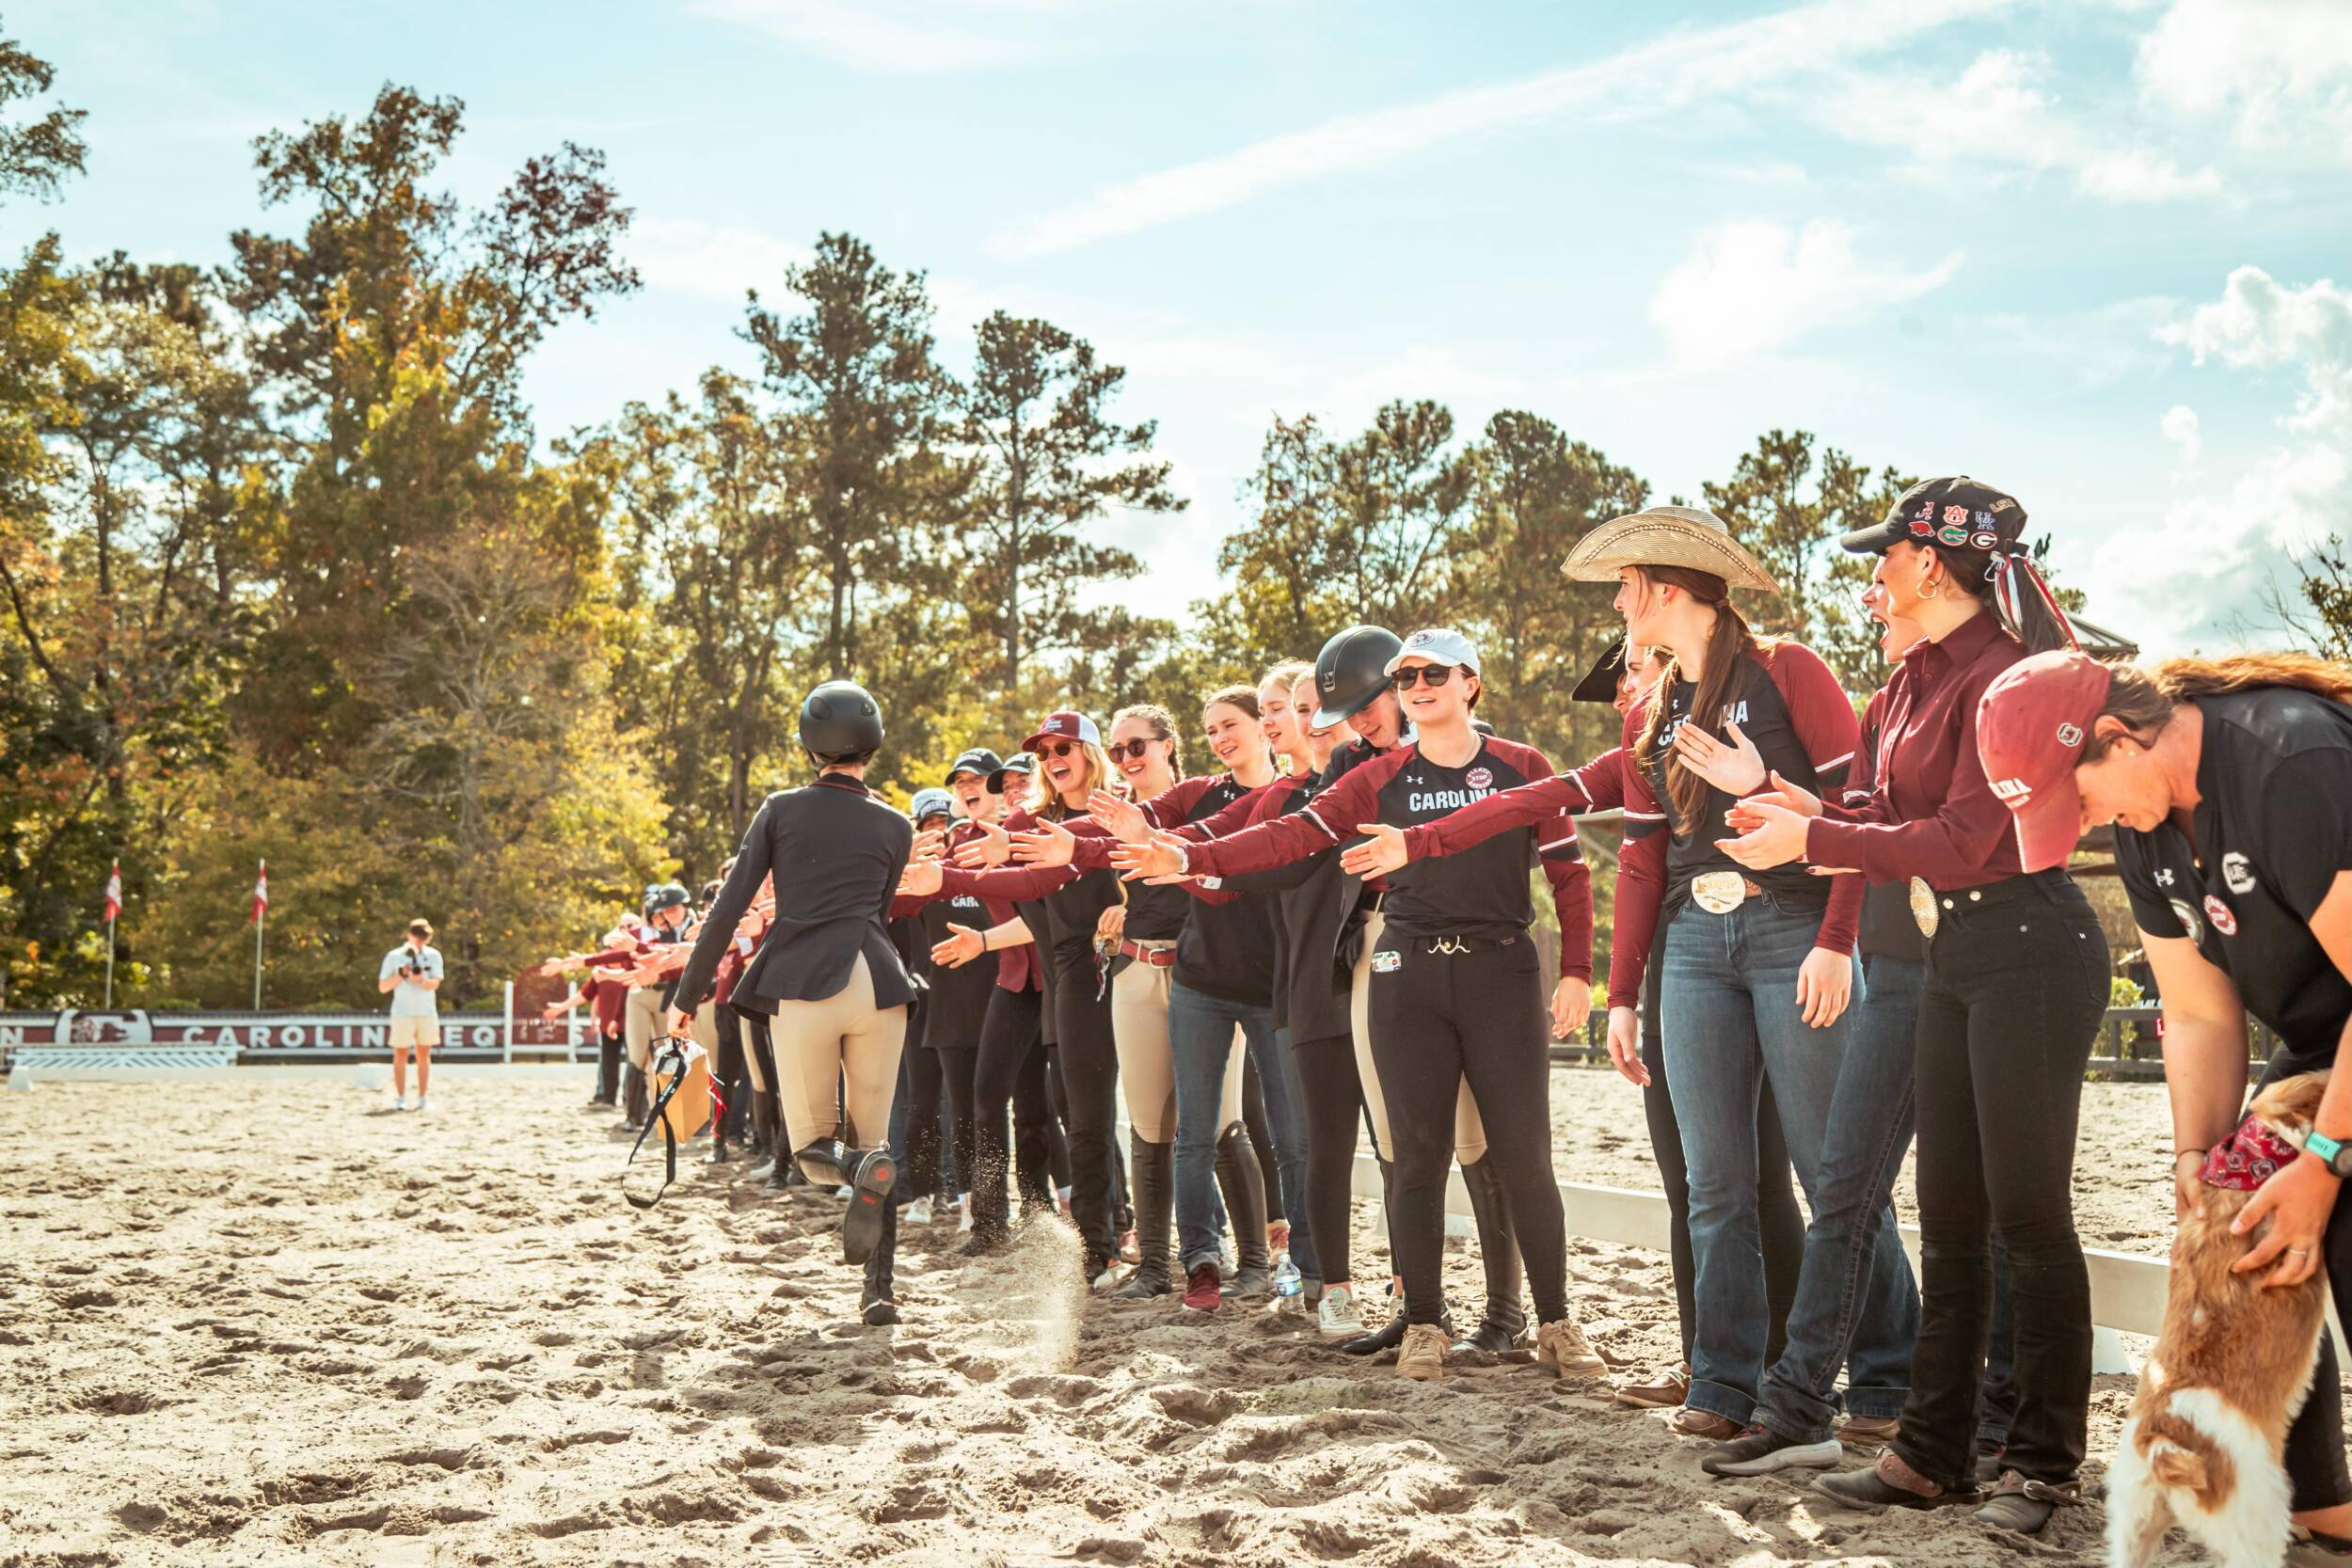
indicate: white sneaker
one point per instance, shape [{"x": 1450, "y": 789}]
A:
[
  {"x": 963, "y": 1215},
  {"x": 400, "y": 1103},
  {"x": 420, "y": 1102},
  {"x": 842, "y": 1193},
  {"x": 1335, "y": 1317},
  {"x": 917, "y": 1213}
]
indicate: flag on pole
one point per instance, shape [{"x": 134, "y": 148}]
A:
[
  {"x": 114, "y": 893},
  {"x": 261, "y": 894}
]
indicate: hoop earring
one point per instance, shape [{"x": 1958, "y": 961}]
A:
[{"x": 1930, "y": 588}]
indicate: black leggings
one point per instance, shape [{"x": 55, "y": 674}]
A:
[
  {"x": 1780, "y": 1224},
  {"x": 1253, "y": 1118},
  {"x": 1437, "y": 1017},
  {"x": 2016, "y": 983},
  {"x": 923, "y": 1081},
  {"x": 608, "y": 1068},
  {"x": 1335, "y": 1110},
  {"x": 730, "y": 1074},
  {"x": 1087, "y": 1061},
  {"x": 979, "y": 1085}
]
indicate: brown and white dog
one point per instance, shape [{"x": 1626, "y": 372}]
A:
[{"x": 2229, "y": 1373}]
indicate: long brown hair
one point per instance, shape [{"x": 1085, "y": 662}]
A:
[
  {"x": 2145, "y": 699},
  {"x": 1731, "y": 642}
]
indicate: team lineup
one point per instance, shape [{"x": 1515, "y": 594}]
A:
[{"x": 1843, "y": 926}]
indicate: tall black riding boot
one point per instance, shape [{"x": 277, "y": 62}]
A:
[
  {"x": 877, "y": 1304},
  {"x": 1504, "y": 1330},
  {"x": 870, "y": 1174},
  {"x": 1238, "y": 1178},
  {"x": 1153, "y": 1168},
  {"x": 635, "y": 1100}
]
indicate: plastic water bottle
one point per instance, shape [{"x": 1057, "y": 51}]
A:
[{"x": 1286, "y": 1277}]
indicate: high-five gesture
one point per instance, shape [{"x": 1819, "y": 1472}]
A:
[
  {"x": 1122, "y": 820},
  {"x": 992, "y": 848},
  {"x": 920, "y": 879},
  {"x": 1047, "y": 844},
  {"x": 1162, "y": 855},
  {"x": 1381, "y": 852}
]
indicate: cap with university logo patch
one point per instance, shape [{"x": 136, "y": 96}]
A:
[
  {"x": 1435, "y": 645},
  {"x": 1019, "y": 766},
  {"x": 2031, "y": 726},
  {"x": 979, "y": 761},
  {"x": 930, "y": 802},
  {"x": 1957, "y": 513},
  {"x": 1064, "y": 726}
]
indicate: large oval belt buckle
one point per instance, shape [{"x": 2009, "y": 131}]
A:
[
  {"x": 1720, "y": 892},
  {"x": 1923, "y": 911}
]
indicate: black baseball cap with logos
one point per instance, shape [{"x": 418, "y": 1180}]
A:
[
  {"x": 1019, "y": 766},
  {"x": 1957, "y": 513},
  {"x": 979, "y": 761}
]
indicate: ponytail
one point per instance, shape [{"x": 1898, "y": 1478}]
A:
[
  {"x": 2010, "y": 587},
  {"x": 2145, "y": 699},
  {"x": 1730, "y": 643}
]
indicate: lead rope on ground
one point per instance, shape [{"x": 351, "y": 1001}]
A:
[{"x": 675, "y": 1053}]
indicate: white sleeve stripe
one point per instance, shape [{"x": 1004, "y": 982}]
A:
[
  {"x": 1834, "y": 762},
  {"x": 1308, "y": 811},
  {"x": 1646, "y": 816},
  {"x": 1555, "y": 843}
]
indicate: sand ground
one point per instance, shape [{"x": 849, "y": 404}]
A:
[{"x": 274, "y": 1322}]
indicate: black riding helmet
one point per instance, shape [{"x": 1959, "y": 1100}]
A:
[
  {"x": 1351, "y": 671},
  {"x": 840, "y": 718},
  {"x": 666, "y": 896}
]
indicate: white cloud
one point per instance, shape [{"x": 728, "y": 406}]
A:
[
  {"x": 2178, "y": 426},
  {"x": 2097, "y": 348},
  {"x": 905, "y": 37},
  {"x": 2281, "y": 69},
  {"x": 2216, "y": 551},
  {"x": 1671, "y": 71},
  {"x": 1749, "y": 287},
  {"x": 1999, "y": 115},
  {"x": 712, "y": 259}
]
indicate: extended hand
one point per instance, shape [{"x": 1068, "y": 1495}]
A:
[
  {"x": 961, "y": 946},
  {"x": 921, "y": 879},
  {"x": 1158, "y": 856},
  {"x": 1048, "y": 844},
  {"x": 1122, "y": 820},
  {"x": 1571, "y": 1003},
  {"x": 1776, "y": 839},
  {"x": 1824, "y": 986},
  {"x": 2298, "y": 1202},
  {"x": 1735, "y": 768},
  {"x": 1381, "y": 852},
  {"x": 992, "y": 848}
]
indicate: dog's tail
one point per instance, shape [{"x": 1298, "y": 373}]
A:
[{"x": 2174, "y": 1466}]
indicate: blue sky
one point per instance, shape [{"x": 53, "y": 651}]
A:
[{"x": 2093, "y": 252}]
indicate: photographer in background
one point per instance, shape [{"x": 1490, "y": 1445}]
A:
[{"x": 412, "y": 973}]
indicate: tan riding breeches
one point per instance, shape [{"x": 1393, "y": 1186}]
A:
[
  {"x": 1469, "y": 1133},
  {"x": 819, "y": 1047},
  {"x": 642, "y": 1025},
  {"x": 742, "y": 1026},
  {"x": 1147, "y": 1067}
]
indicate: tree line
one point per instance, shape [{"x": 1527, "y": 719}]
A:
[{"x": 290, "y": 573}]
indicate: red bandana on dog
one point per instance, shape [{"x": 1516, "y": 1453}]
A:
[{"x": 2247, "y": 1158}]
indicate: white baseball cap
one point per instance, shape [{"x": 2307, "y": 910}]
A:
[{"x": 1436, "y": 645}]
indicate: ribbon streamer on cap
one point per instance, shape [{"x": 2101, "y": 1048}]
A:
[{"x": 2006, "y": 565}]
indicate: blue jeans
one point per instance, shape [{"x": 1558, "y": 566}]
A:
[
  {"x": 1731, "y": 1021},
  {"x": 1857, "y": 1306},
  {"x": 1289, "y": 1126},
  {"x": 1199, "y": 1039}
]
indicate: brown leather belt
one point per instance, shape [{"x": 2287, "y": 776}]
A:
[{"x": 1157, "y": 957}]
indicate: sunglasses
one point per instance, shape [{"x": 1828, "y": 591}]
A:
[
  {"x": 1133, "y": 749},
  {"x": 1413, "y": 674},
  {"x": 1058, "y": 748}
]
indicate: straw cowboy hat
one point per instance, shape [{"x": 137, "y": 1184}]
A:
[{"x": 1666, "y": 536}]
